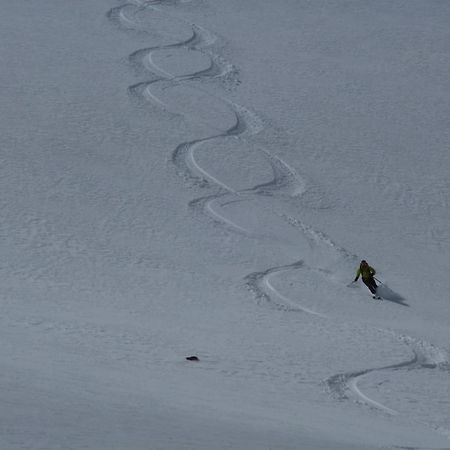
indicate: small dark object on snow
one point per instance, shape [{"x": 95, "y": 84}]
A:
[{"x": 192, "y": 358}]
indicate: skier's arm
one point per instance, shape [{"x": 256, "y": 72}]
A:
[
  {"x": 372, "y": 271},
  {"x": 358, "y": 273}
]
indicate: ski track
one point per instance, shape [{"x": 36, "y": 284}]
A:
[
  {"x": 259, "y": 283},
  {"x": 424, "y": 356},
  {"x": 285, "y": 182}
]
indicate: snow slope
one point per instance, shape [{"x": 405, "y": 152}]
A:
[{"x": 202, "y": 178}]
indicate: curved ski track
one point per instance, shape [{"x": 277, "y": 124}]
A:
[
  {"x": 424, "y": 356},
  {"x": 285, "y": 182},
  {"x": 259, "y": 283}
]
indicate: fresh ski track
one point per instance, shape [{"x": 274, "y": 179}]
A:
[
  {"x": 424, "y": 356},
  {"x": 260, "y": 284},
  {"x": 285, "y": 181}
]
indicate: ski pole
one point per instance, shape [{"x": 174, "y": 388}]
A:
[{"x": 379, "y": 281}]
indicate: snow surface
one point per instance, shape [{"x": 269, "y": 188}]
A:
[{"x": 202, "y": 178}]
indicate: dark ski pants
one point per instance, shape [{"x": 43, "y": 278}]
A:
[{"x": 370, "y": 283}]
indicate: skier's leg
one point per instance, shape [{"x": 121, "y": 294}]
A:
[
  {"x": 376, "y": 290},
  {"x": 370, "y": 283},
  {"x": 374, "y": 285}
]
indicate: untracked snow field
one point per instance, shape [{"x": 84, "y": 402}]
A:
[{"x": 201, "y": 178}]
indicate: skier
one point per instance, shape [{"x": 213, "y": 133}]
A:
[{"x": 367, "y": 274}]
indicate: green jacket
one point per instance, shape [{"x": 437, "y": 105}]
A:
[{"x": 366, "y": 273}]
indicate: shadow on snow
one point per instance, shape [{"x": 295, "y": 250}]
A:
[{"x": 388, "y": 294}]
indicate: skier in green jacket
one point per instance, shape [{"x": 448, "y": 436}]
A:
[{"x": 367, "y": 274}]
